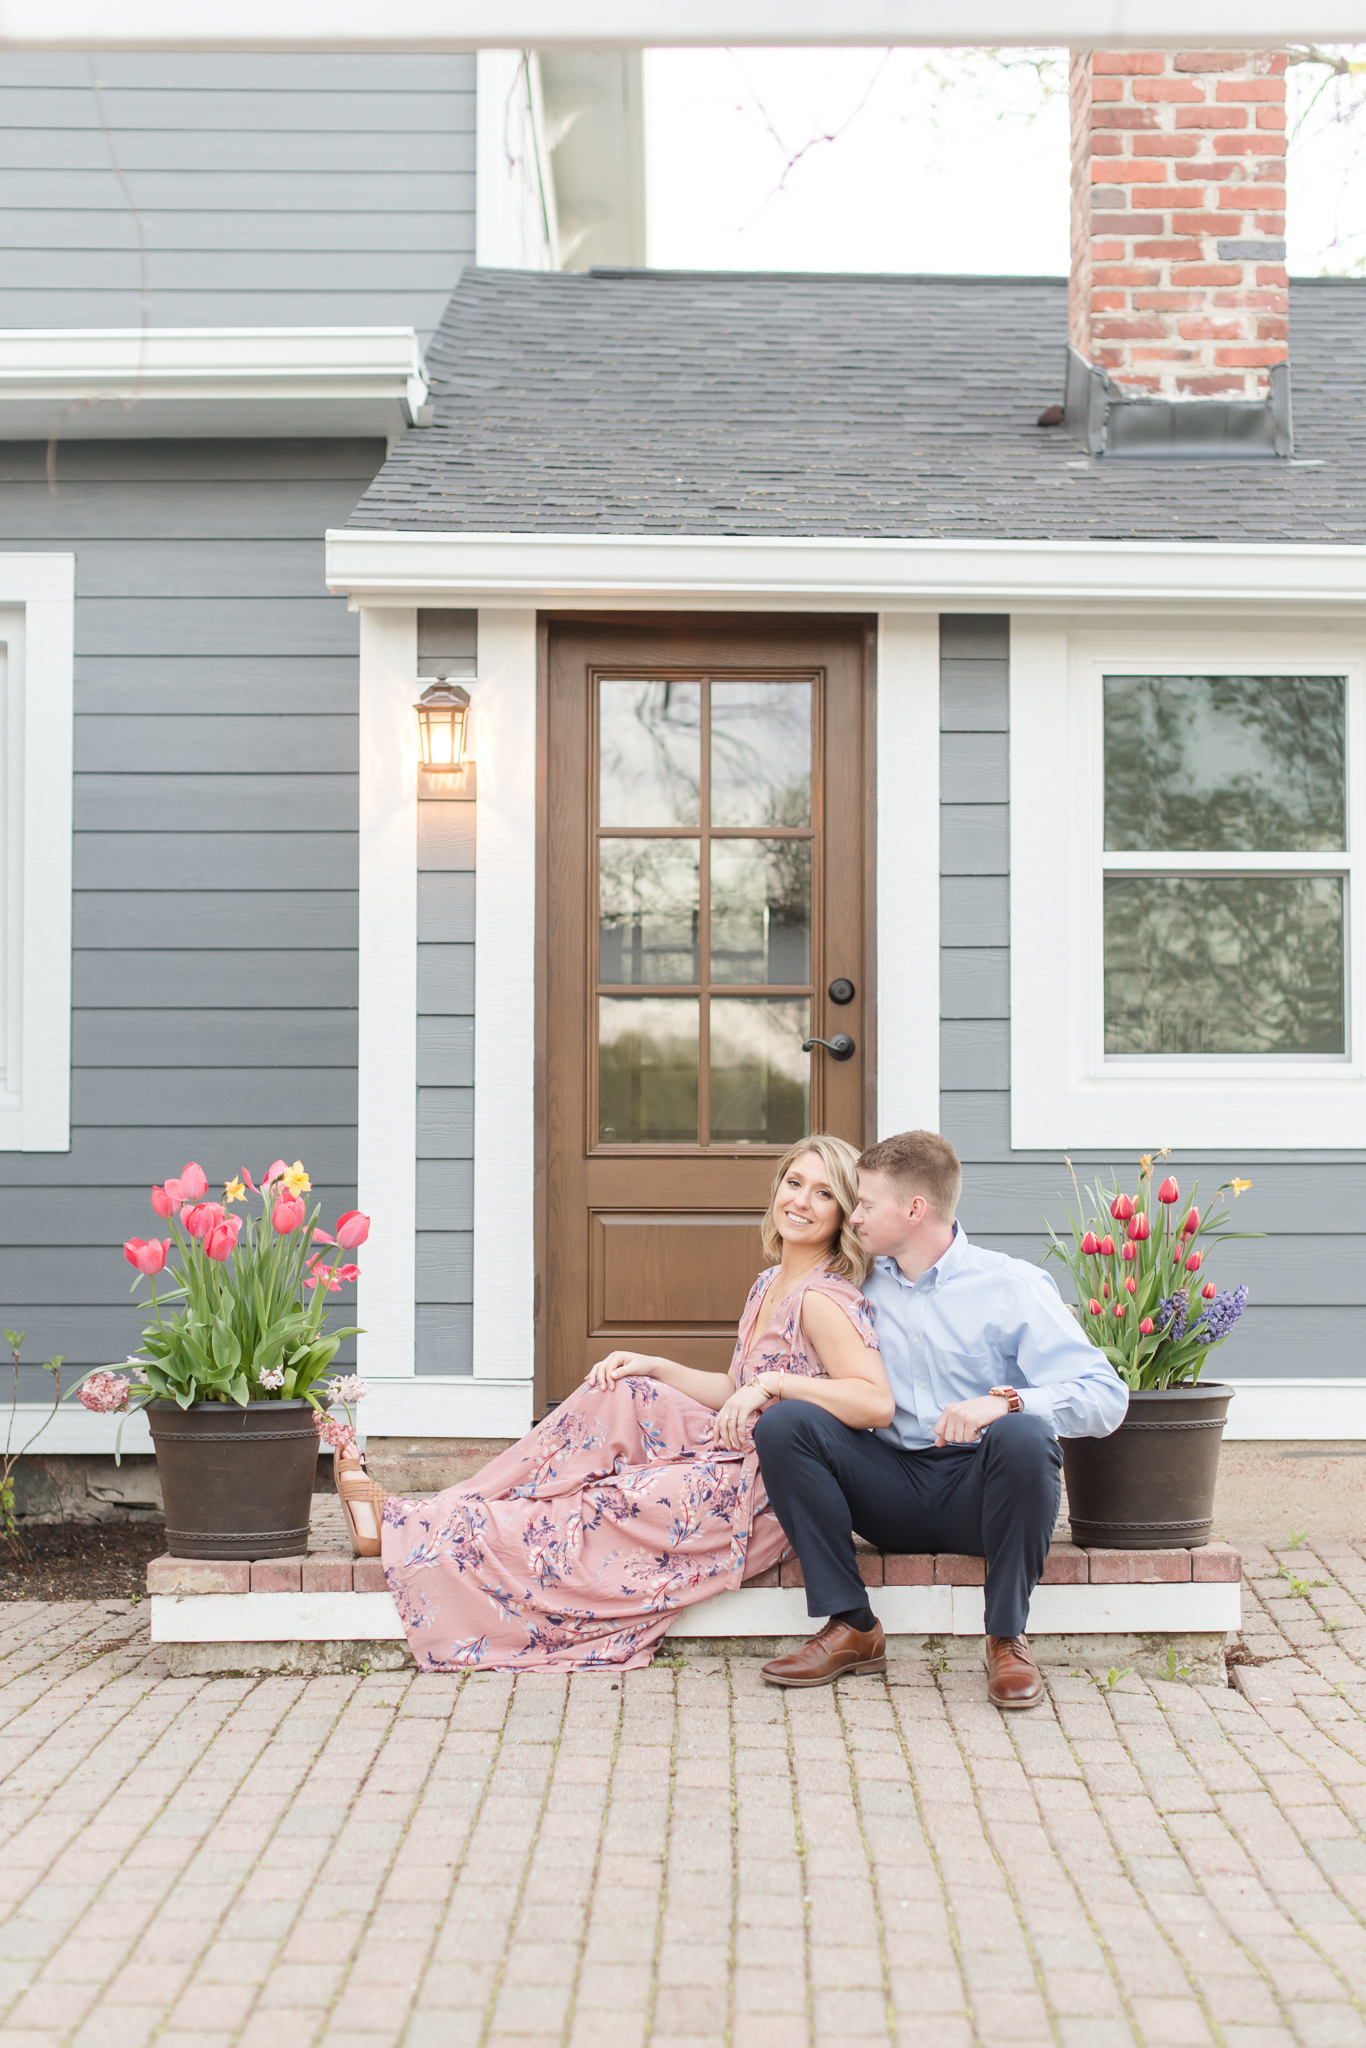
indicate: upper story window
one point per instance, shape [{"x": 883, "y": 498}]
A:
[{"x": 1187, "y": 938}]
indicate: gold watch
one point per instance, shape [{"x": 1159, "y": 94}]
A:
[{"x": 1010, "y": 1395}]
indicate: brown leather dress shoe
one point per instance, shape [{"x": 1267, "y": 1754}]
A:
[
  {"x": 1012, "y": 1675},
  {"x": 836, "y": 1651}
]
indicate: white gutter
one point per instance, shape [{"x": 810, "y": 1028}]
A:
[{"x": 687, "y": 571}]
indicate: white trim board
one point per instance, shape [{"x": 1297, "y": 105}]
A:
[
  {"x": 433, "y": 25},
  {"x": 907, "y": 872},
  {"x": 200, "y": 382},
  {"x": 815, "y": 574}
]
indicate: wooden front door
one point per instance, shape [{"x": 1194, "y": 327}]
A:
[{"x": 706, "y": 913}]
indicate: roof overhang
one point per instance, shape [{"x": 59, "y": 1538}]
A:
[
  {"x": 208, "y": 383},
  {"x": 265, "y": 25},
  {"x": 687, "y": 572}
]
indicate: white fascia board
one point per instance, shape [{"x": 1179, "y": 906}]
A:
[
  {"x": 434, "y": 25},
  {"x": 838, "y": 574},
  {"x": 470, "y": 1406},
  {"x": 194, "y": 382}
]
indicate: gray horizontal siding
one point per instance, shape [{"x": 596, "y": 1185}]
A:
[
  {"x": 446, "y": 847},
  {"x": 270, "y": 190},
  {"x": 445, "y": 1193},
  {"x": 1307, "y": 1275},
  {"x": 445, "y": 1338},
  {"x": 214, "y": 966},
  {"x": 445, "y": 979},
  {"x": 445, "y": 908}
]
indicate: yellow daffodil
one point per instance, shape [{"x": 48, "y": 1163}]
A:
[
  {"x": 1145, "y": 1165},
  {"x": 1238, "y": 1186},
  {"x": 233, "y": 1191},
  {"x": 296, "y": 1180}
]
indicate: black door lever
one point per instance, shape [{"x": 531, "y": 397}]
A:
[{"x": 840, "y": 1047}]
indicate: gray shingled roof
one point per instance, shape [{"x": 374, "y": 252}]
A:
[{"x": 660, "y": 402}]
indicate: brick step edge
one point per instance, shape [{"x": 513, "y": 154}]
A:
[{"x": 1067, "y": 1565}]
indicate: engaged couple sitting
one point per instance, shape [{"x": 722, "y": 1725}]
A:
[{"x": 889, "y": 1378}]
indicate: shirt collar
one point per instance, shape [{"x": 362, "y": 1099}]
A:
[{"x": 942, "y": 1269}]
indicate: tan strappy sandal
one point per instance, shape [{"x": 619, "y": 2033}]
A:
[{"x": 362, "y": 1500}]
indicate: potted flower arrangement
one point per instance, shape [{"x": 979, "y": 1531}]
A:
[
  {"x": 231, "y": 1368},
  {"x": 1145, "y": 1298}
]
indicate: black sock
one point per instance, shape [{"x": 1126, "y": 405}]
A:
[{"x": 861, "y": 1618}]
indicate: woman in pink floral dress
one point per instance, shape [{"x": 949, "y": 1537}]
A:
[{"x": 641, "y": 1494}]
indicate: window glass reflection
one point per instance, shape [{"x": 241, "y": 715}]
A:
[
  {"x": 760, "y": 1077},
  {"x": 650, "y": 753},
  {"x": 761, "y": 910},
  {"x": 1225, "y": 763},
  {"x": 647, "y": 1070},
  {"x": 1224, "y": 964},
  {"x": 647, "y": 910},
  {"x": 761, "y": 753}
]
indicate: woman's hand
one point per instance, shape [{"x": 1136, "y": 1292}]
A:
[
  {"x": 733, "y": 1419},
  {"x": 618, "y": 1365}
]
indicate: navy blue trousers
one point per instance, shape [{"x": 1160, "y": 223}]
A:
[{"x": 998, "y": 1501}]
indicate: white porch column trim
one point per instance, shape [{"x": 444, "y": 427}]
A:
[
  {"x": 386, "y": 1110},
  {"x": 907, "y": 872},
  {"x": 504, "y": 747}
]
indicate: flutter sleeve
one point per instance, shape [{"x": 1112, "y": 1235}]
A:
[{"x": 845, "y": 1295}]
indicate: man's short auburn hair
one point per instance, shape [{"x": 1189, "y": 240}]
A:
[{"x": 921, "y": 1163}]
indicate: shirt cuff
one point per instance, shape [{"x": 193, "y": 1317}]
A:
[{"x": 1041, "y": 1401}]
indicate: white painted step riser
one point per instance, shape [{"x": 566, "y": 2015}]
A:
[{"x": 764, "y": 1611}]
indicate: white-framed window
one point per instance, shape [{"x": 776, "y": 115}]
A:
[
  {"x": 1188, "y": 959},
  {"x": 37, "y": 594}
]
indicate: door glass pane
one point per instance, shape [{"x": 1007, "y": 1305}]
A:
[
  {"x": 647, "y": 1070},
  {"x": 1225, "y": 763},
  {"x": 650, "y": 753},
  {"x": 761, "y": 910},
  {"x": 760, "y": 1077},
  {"x": 760, "y": 754},
  {"x": 1224, "y": 964},
  {"x": 647, "y": 910}
]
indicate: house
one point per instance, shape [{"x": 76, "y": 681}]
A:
[{"x": 819, "y": 690}]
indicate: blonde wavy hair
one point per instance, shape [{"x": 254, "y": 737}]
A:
[{"x": 840, "y": 1161}]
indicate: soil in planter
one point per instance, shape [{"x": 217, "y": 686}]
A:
[{"x": 82, "y": 1560}]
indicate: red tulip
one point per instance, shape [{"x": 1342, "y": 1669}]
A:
[
  {"x": 1193, "y": 1263},
  {"x": 352, "y": 1229},
  {"x": 166, "y": 1201},
  {"x": 1146, "y": 1326},
  {"x": 1169, "y": 1191},
  {"x": 200, "y": 1219},
  {"x": 1128, "y": 1251},
  {"x": 287, "y": 1214},
  {"x": 1090, "y": 1244},
  {"x": 222, "y": 1239},
  {"x": 1121, "y": 1208},
  {"x": 1139, "y": 1228},
  {"x": 1119, "y": 1309},
  {"x": 193, "y": 1182},
  {"x": 1191, "y": 1224},
  {"x": 1209, "y": 1290},
  {"x": 1131, "y": 1285},
  {"x": 149, "y": 1256},
  {"x": 1093, "y": 1307},
  {"x": 1107, "y": 1247},
  {"x": 1105, "y": 1289}
]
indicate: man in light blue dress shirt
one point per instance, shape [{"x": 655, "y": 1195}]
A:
[{"x": 988, "y": 1368}]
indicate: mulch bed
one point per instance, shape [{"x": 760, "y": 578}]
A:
[{"x": 81, "y": 1560}]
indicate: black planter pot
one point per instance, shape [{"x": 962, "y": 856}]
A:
[
  {"x": 237, "y": 1482},
  {"x": 1149, "y": 1486}
]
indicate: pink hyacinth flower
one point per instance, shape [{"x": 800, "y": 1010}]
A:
[
  {"x": 104, "y": 1393},
  {"x": 352, "y": 1230},
  {"x": 287, "y": 1214},
  {"x": 194, "y": 1183},
  {"x": 201, "y": 1218}
]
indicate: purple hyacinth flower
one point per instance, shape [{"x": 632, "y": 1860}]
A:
[{"x": 1222, "y": 1313}]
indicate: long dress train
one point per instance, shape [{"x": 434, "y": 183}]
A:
[{"x": 573, "y": 1550}]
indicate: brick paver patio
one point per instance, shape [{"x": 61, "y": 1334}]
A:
[{"x": 683, "y": 1854}]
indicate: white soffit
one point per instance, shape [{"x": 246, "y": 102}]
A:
[
  {"x": 208, "y": 383},
  {"x": 639, "y": 24},
  {"x": 648, "y": 570}
]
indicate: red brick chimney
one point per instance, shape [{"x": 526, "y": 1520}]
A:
[{"x": 1178, "y": 219}]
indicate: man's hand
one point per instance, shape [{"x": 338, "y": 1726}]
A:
[{"x": 962, "y": 1422}]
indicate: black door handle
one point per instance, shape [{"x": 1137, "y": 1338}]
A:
[{"x": 840, "y": 1047}]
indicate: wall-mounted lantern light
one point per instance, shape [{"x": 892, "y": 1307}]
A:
[{"x": 443, "y": 712}]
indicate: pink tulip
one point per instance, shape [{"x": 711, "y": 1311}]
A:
[
  {"x": 274, "y": 1172},
  {"x": 222, "y": 1239},
  {"x": 1194, "y": 1263},
  {"x": 193, "y": 1182},
  {"x": 246, "y": 1177},
  {"x": 1090, "y": 1244},
  {"x": 1169, "y": 1191},
  {"x": 200, "y": 1219},
  {"x": 1131, "y": 1284},
  {"x": 321, "y": 1237},
  {"x": 352, "y": 1229},
  {"x": 1146, "y": 1326},
  {"x": 1128, "y": 1251},
  {"x": 1120, "y": 1307},
  {"x": 287, "y": 1214},
  {"x": 148, "y": 1255},
  {"x": 1121, "y": 1208},
  {"x": 1139, "y": 1228},
  {"x": 1107, "y": 1247},
  {"x": 1191, "y": 1224},
  {"x": 1105, "y": 1289},
  {"x": 1209, "y": 1290},
  {"x": 348, "y": 1273},
  {"x": 166, "y": 1201},
  {"x": 1093, "y": 1306}
]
